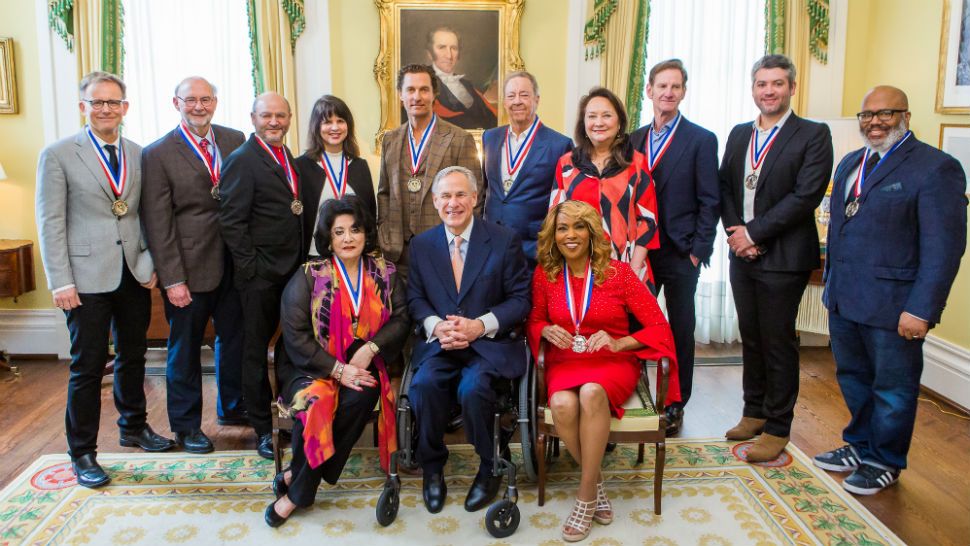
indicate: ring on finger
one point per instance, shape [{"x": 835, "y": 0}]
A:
[{"x": 356, "y": 382}]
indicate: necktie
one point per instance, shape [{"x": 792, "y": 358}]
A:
[
  {"x": 204, "y": 143},
  {"x": 871, "y": 164},
  {"x": 457, "y": 263},
  {"x": 112, "y": 157}
]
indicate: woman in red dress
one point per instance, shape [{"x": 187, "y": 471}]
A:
[
  {"x": 591, "y": 354},
  {"x": 605, "y": 171}
]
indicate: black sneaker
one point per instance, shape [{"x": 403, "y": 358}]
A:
[
  {"x": 869, "y": 480},
  {"x": 842, "y": 459}
]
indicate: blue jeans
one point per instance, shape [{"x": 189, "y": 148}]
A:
[{"x": 879, "y": 374}]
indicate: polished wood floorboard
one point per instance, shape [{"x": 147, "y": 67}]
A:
[{"x": 929, "y": 506}]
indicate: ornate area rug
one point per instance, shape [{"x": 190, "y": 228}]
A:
[{"x": 710, "y": 497}]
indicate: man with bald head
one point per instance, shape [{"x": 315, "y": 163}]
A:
[
  {"x": 261, "y": 210},
  {"x": 897, "y": 232},
  {"x": 182, "y": 171}
]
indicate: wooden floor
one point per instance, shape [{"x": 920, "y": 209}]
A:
[{"x": 930, "y": 505}]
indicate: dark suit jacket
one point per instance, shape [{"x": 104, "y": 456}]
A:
[
  {"x": 688, "y": 190},
  {"x": 525, "y": 207},
  {"x": 480, "y": 115},
  {"x": 793, "y": 180},
  {"x": 901, "y": 250},
  {"x": 263, "y": 235},
  {"x": 179, "y": 212},
  {"x": 495, "y": 279},
  {"x": 314, "y": 179}
]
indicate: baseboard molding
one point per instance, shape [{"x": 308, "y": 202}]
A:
[
  {"x": 946, "y": 370},
  {"x": 34, "y": 332}
]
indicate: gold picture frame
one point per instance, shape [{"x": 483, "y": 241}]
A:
[
  {"x": 955, "y": 140},
  {"x": 8, "y": 78},
  {"x": 504, "y": 17},
  {"x": 953, "y": 84}
]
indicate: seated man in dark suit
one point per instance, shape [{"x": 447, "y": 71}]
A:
[{"x": 468, "y": 318}]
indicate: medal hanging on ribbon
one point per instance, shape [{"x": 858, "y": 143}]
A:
[
  {"x": 337, "y": 181},
  {"x": 414, "y": 184},
  {"x": 758, "y": 155},
  {"x": 655, "y": 153},
  {"x": 852, "y": 207},
  {"x": 214, "y": 168},
  {"x": 355, "y": 295},
  {"x": 296, "y": 207},
  {"x": 514, "y": 161},
  {"x": 580, "y": 343},
  {"x": 116, "y": 179}
]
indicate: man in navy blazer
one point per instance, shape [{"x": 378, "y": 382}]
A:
[
  {"x": 520, "y": 163},
  {"x": 897, "y": 232},
  {"x": 469, "y": 289},
  {"x": 682, "y": 158}
]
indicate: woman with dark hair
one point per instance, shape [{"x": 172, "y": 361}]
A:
[
  {"x": 332, "y": 167},
  {"x": 581, "y": 301},
  {"x": 605, "y": 171},
  {"x": 343, "y": 316}
]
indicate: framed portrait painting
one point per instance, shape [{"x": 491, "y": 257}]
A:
[
  {"x": 470, "y": 44},
  {"x": 8, "y": 78},
  {"x": 953, "y": 87},
  {"x": 955, "y": 140}
]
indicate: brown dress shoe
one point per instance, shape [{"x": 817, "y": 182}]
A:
[
  {"x": 766, "y": 448},
  {"x": 746, "y": 429}
]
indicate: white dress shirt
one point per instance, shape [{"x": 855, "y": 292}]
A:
[{"x": 453, "y": 83}]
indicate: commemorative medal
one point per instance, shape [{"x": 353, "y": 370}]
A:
[
  {"x": 507, "y": 185},
  {"x": 354, "y": 293},
  {"x": 119, "y": 207},
  {"x": 751, "y": 182},
  {"x": 580, "y": 343},
  {"x": 513, "y": 161},
  {"x": 851, "y": 209},
  {"x": 212, "y": 161},
  {"x": 758, "y": 155},
  {"x": 416, "y": 151},
  {"x": 414, "y": 185},
  {"x": 117, "y": 178},
  {"x": 655, "y": 153},
  {"x": 296, "y": 207},
  {"x": 215, "y": 193}
]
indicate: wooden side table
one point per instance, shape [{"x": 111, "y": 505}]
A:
[{"x": 16, "y": 267}]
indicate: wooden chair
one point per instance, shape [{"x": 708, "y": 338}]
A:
[{"x": 643, "y": 422}]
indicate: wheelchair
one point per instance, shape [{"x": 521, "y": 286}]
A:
[{"x": 515, "y": 410}]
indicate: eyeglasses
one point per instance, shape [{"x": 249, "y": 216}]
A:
[
  {"x": 883, "y": 115},
  {"x": 98, "y": 104},
  {"x": 192, "y": 101}
]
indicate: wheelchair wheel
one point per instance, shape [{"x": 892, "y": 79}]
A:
[
  {"x": 502, "y": 518},
  {"x": 527, "y": 423},
  {"x": 387, "y": 505}
]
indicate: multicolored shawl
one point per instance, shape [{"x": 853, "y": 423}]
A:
[{"x": 332, "y": 319}]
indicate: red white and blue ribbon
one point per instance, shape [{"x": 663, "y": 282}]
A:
[
  {"x": 758, "y": 155},
  {"x": 654, "y": 154},
  {"x": 417, "y": 151},
  {"x": 578, "y": 314},
  {"x": 860, "y": 177},
  {"x": 116, "y": 179},
  {"x": 214, "y": 168},
  {"x": 355, "y": 295},
  {"x": 338, "y": 182},
  {"x": 290, "y": 175},
  {"x": 514, "y": 161}
]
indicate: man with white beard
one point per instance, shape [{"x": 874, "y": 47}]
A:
[{"x": 897, "y": 233}]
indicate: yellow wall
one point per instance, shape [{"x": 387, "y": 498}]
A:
[
  {"x": 897, "y": 42},
  {"x": 21, "y": 139}
]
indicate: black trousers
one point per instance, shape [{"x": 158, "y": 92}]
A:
[
  {"x": 125, "y": 313},
  {"x": 354, "y": 410},
  {"x": 767, "y": 303},
  {"x": 677, "y": 275},
  {"x": 261, "y": 317}
]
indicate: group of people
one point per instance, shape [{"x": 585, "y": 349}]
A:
[{"x": 557, "y": 240}]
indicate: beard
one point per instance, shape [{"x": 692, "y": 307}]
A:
[{"x": 893, "y": 136}]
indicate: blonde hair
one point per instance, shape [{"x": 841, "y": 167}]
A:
[{"x": 547, "y": 251}]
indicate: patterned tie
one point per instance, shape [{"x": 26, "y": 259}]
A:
[
  {"x": 204, "y": 143},
  {"x": 457, "y": 263},
  {"x": 871, "y": 164},
  {"x": 112, "y": 157}
]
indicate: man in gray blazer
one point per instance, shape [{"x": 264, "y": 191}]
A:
[
  {"x": 99, "y": 270},
  {"x": 180, "y": 210}
]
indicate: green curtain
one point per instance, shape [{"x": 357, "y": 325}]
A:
[
  {"x": 818, "y": 29},
  {"x": 112, "y": 36},
  {"x": 106, "y": 41},
  {"x": 638, "y": 65},
  {"x": 60, "y": 16},
  {"x": 296, "y": 17},
  {"x": 775, "y": 26}
]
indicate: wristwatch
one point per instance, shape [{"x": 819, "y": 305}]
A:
[{"x": 373, "y": 347}]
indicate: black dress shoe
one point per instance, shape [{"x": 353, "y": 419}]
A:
[
  {"x": 264, "y": 445},
  {"x": 194, "y": 441},
  {"x": 482, "y": 491},
  {"x": 675, "y": 419},
  {"x": 279, "y": 484},
  {"x": 146, "y": 439},
  {"x": 272, "y": 518},
  {"x": 434, "y": 492},
  {"x": 234, "y": 419},
  {"x": 89, "y": 472}
]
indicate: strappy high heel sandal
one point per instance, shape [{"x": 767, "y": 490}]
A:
[
  {"x": 604, "y": 508},
  {"x": 579, "y": 520}
]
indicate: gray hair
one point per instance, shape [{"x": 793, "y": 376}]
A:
[
  {"x": 97, "y": 77},
  {"x": 774, "y": 61},
  {"x": 196, "y": 79},
  {"x": 522, "y": 74},
  {"x": 469, "y": 176}
]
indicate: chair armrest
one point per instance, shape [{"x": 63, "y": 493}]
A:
[
  {"x": 663, "y": 379},
  {"x": 541, "y": 375}
]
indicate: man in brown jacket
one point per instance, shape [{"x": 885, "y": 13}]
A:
[
  {"x": 180, "y": 209},
  {"x": 411, "y": 155}
]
